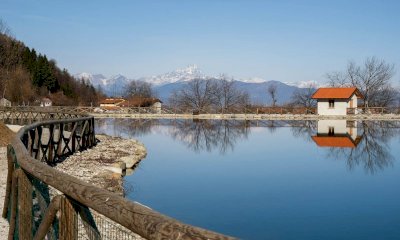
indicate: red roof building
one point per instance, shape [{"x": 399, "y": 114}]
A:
[
  {"x": 336, "y": 141},
  {"x": 337, "y": 101},
  {"x": 335, "y": 133},
  {"x": 336, "y": 93},
  {"x": 111, "y": 102}
]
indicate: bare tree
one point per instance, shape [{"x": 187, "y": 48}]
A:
[
  {"x": 372, "y": 79},
  {"x": 198, "y": 94},
  {"x": 22, "y": 92},
  {"x": 302, "y": 97},
  {"x": 228, "y": 96},
  {"x": 210, "y": 94},
  {"x": 4, "y": 29},
  {"x": 272, "y": 90},
  {"x": 139, "y": 89}
]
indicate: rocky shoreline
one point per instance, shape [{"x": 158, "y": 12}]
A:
[{"x": 106, "y": 164}]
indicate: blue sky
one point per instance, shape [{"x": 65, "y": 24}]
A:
[{"x": 283, "y": 40}]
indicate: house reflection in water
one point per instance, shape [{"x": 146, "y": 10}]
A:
[{"x": 337, "y": 134}]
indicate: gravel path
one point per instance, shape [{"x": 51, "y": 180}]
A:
[{"x": 3, "y": 180}]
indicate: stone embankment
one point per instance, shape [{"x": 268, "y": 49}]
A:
[
  {"x": 385, "y": 117},
  {"x": 105, "y": 164}
]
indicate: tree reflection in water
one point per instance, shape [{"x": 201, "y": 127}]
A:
[
  {"x": 198, "y": 135},
  {"x": 373, "y": 152},
  {"x": 127, "y": 126},
  {"x": 304, "y": 129},
  {"x": 207, "y": 135}
]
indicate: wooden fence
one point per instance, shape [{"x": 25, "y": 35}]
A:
[
  {"x": 58, "y": 112},
  {"x": 43, "y": 203},
  {"x": 373, "y": 110}
]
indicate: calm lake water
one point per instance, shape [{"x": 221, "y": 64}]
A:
[{"x": 270, "y": 179}]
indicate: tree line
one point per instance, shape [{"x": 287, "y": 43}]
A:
[
  {"x": 373, "y": 78},
  {"x": 26, "y": 76}
]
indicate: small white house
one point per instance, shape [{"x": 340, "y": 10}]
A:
[
  {"x": 337, "y": 101},
  {"x": 5, "y": 103},
  {"x": 337, "y": 133},
  {"x": 46, "y": 102}
]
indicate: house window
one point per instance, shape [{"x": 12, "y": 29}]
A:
[
  {"x": 331, "y": 131},
  {"x": 350, "y": 124},
  {"x": 331, "y": 103}
]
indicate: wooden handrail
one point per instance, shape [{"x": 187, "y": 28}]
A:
[{"x": 134, "y": 216}]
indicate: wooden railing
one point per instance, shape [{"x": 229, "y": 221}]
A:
[
  {"x": 65, "y": 111},
  {"x": 373, "y": 110},
  {"x": 43, "y": 203}
]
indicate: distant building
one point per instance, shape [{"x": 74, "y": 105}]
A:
[
  {"x": 111, "y": 104},
  {"x": 46, "y": 102},
  {"x": 5, "y": 103},
  {"x": 337, "y": 133},
  {"x": 337, "y": 101},
  {"x": 153, "y": 103}
]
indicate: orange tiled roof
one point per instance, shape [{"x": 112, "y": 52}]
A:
[
  {"x": 334, "y": 141},
  {"x": 336, "y": 93},
  {"x": 112, "y": 101}
]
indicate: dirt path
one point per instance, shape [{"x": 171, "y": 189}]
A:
[
  {"x": 5, "y": 137},
  {"x": 3, "y": 179}
]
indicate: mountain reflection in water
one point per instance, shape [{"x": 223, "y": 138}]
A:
[{"x": 359, "y": 143}]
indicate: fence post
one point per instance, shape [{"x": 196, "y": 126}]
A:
[
  {"x": 68, "y": 220},
  {"x": 10, "y": 161},
  {"x": 24, "y": 207},
  {"x": 73, "y": 137},
  {"x": 51, "y": 144}
]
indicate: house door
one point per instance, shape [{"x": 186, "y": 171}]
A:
[{"x": 351, "y": 103}]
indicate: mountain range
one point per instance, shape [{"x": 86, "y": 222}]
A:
[{"x": 165, "y": 84}]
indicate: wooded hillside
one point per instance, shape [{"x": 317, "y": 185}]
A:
[{"x": 27, "y": 76}]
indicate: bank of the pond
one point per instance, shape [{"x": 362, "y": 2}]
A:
[
  {"x": 3, "y": 180},
  {"x": 385, "y": 117},
  {"x": 5, "y": 137},
  {"x": 106, "y": 164}
]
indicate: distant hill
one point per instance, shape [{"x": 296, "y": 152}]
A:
[
  {"x": 165, "y": 84},
  {"x": 257, "y": 91},
  {"x": 27, "y": 76},
  {"x": 113, "y": 86}
]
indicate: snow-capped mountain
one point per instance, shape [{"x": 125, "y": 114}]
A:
[
  {"x": 304, "y": 84},
  {"x": 180, "y": 75},
  {"x": 113, "y": 86},
  {"x": 165, "y": 84},
  {"x": 253, "y": 80},
  {"x": 94, "y": 79}
]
